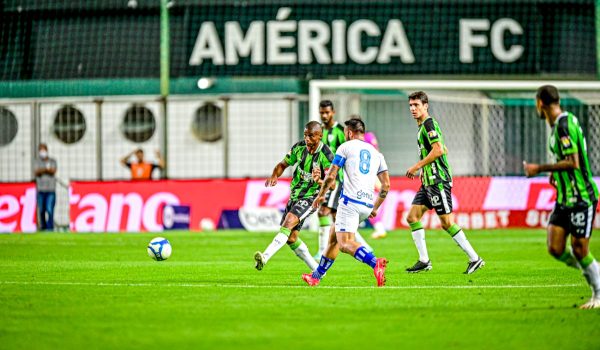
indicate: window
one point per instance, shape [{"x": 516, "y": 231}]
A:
[
  {"x": 207, "y": 123},
  {"x": 9, "y": 128},
  {"x": 139, "y": 124},
  {"x": 69, "y": 124}
]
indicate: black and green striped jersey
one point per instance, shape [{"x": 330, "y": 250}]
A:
[
  {"x": 302, "y": 185},
  {"x": 572, "y": 186},
  {"x": 439, "y": 170},
  {"x": 334, "y": 137}
]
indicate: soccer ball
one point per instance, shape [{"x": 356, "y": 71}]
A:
[
  {"x": 207, "y": 224},
  {"x": 159, "y": 249}
]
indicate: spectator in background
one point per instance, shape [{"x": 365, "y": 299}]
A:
[
  {"x": 45, "y": 182},
  {"x": 142, "y": 170}
]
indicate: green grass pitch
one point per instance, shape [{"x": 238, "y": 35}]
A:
[{"x": 102, "y": 291}]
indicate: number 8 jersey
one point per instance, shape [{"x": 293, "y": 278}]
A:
[{"x": 361, "y": 163}]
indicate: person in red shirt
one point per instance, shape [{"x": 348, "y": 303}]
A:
[{"x": 142, "y": 170}]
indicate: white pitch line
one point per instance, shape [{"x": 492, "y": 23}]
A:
[{"x": 251, "y": 286}]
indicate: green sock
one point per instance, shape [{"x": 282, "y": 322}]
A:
[
  {"x": 568, "y": 258},
  {"x": 453, "y": 230},
  {"x": 296, "y": 244},
  {"x": 415, "y": 226},
  {"x": 324, "y": 220},
  {"x": 286, "y": 231},
  {"x": 585, "y": 262}
]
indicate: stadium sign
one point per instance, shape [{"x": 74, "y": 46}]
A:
[
  {"x": 18, "y": 207},
  {"x": 380, "y": 38},
  {"x": 288, "y": 42},
  {"x": 304, "y": 39}
]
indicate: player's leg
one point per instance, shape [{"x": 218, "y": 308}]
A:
[
  {"x": 324, "y": 227},
  {"x": 347, "y": 219},
  {"x": 327, "y": 259},
  {"x": 418, "y": 233},
  {"x": 440, "y": 196},
  {"x": 301, "y": 209},
  {"x": 557, "y": 234},
  {"x": 581, "y": 224},
  {"x": 557, "y": 245},
  {"x": 288, "y": 222},
  {"x": 458, "y": 235},
  {"x": 590, "y": 269},
  {"x": 299, "y": 247}
]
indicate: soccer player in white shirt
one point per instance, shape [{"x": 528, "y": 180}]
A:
[{"x": 362, "y": 164}]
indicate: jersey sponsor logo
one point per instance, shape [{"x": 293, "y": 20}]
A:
[
  {"x": 565, "y": 141},
  {"x": 360, "y": 195},
  {"x": 432, "y": 134},
  {"x": 306, "y": 176}
]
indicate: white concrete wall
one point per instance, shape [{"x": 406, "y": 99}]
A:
[
  {"x": 116, "y": 145},
  {"x": 15, "y": 158},
  {"x": 190, "y": 157}
]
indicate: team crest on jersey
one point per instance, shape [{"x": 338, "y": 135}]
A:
[
  {"x": 432, "y": 134},
  {"x": 329, "y": 138},
  {"x": 566, "y": 141}
]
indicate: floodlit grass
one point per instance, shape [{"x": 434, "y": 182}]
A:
[{"x": 99, "y": 291}]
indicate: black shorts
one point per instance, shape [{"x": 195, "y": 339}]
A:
[
  {"x": 302, "y": 208},
  {"x": 333, "y": 197},
  {"x": 577, "y": 220},
  {"x": 438, "y": 197}
]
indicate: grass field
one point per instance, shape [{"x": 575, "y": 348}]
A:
[{"x": 99, "y": 291}]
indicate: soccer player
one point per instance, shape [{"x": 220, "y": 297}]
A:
[
  {"x": 333, "y": 136},
  {"x": 576, "y": 192},
  {"x": 312, "y": 158},
  {"x": 436, "y": 186},
  {"x": 361, "y": 164}
]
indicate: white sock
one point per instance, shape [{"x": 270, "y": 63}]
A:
[
  {"x": 278, "y": 242},
  {"x": 592, "y": 275},
  {"x": 464, "y": 244},
  {"x": 379, "y": 228},
  {"x": 323, "y": 239},
  {"x": 361, "y": 240},
  {"x": 304, "y": 255},
  {"x": 419, "y": 239}
]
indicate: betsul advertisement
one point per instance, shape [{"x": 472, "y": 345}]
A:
[
  {"x": 479, "y": 202},
  {"x": 17, "y": 207}
]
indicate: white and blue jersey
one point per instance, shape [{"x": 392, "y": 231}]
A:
[{"x": 361, "y": 163}]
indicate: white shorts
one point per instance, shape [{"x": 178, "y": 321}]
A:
[{"x": 350, "y": 215}]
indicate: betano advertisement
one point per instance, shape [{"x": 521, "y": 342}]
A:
[{"x": 479, "y": 202}]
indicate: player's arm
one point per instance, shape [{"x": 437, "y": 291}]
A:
[
  {"x": 277, "y": 172},
  {"x": 437, "y": 150},
  {"x": 567, "y": 147},
  {"x": 328, "y": 183},
  {"x": 571, "y": 162},
  {"x": 384, "y": 178}
]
